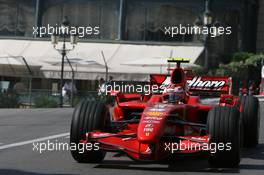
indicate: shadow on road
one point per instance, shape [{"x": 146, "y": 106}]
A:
[
  {"x": 19, "y": 172},
  {"x": 254, "y": 153},
  {"x": 189, "y": 164}
]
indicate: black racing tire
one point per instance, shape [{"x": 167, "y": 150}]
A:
[
  {"x": 250, "y": 117},
  {"x": 88, "y": 116},
  {"x": 224, "y": 128}
]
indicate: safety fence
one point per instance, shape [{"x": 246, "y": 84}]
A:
[{"x": 43, "y": 98}]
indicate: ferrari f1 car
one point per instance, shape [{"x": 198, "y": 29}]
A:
[{"x": 175, "y": 121}]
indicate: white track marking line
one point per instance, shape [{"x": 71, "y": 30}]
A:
[{"x": 32, "y": 141}]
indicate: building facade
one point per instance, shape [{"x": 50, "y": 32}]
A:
[
  {"x": 140, "y": 21},
  {"x": 133, "y": 20},
  {"x": 260, "y": 34}
]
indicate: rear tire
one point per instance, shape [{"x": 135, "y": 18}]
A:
[
  {"x": 223, "y": 127},
  {"x": 88, "y": 116},
  {"x": 250, "y": 117}
]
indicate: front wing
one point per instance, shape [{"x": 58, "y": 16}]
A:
[{"x": 127, "y": 142}]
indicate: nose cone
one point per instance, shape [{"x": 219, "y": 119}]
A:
[
  {"x": 148, "y": 133},
  {"x": 150, "y": 128}
]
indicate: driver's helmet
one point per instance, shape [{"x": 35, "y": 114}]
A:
[{"x": 174, "y": 94}]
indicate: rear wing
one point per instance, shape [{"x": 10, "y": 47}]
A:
[{"x": 197, "y": 84}]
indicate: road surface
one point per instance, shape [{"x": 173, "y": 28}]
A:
[{"x": 20, "y": 128}]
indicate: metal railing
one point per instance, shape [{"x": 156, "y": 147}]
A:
[{"x": 41, "y": 97}]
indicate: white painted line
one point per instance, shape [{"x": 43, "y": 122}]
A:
[
  {"x": 32, "y": 141},
  {"x": 67, "y": 137}
]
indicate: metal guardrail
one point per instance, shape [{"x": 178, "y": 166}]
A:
[
  {"x": 260, "y": 97},
  {"x": 29, "y": 98}
]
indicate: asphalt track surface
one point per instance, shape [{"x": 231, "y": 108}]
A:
[{"x": 20, "y": 127}]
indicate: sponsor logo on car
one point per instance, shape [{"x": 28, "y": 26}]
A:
[
  {"x": 148, "y": 150},
  {"x": 156, "y": 109},
  {"x": 147, "y": 134},
  {"x": 197, "y": 82},
  {"x": 102, "y": 135},
  {"x": 160, "y": 106},
  {"x": 148, "y": 128},
  {"x": 151, "y": 121},
  {"x": 154, "y": 113},
  {"x": 152, "y": 118}
]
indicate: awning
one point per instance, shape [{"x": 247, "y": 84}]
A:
[
  {"x": 17, "y": 67},
  {"x": 124, "y": 60}
]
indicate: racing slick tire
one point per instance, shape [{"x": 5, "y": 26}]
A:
[
  {"x": 87, "y": 116},
  {"x": 224, "y": 128},
  {"x": 250, "y": 117}
]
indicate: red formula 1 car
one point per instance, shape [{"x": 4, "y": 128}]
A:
[{"x": 176, "y": 121}]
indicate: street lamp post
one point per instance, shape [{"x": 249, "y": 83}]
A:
[
  {"x": 206, "y": 22},
  {"x": 63, "y": 51}
]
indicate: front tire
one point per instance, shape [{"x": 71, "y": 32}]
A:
[
  {"x": 88, "y": 116},
  {"x": 223, "y": 127}
]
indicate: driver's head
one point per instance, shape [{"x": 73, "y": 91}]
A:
[{"x": 175, "y": 94}]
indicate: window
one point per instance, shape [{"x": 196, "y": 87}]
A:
[
  {"x": 17, "y": 17},
  {"x": 84, "y": 13},
  {"x": 146, "y": 20}
]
